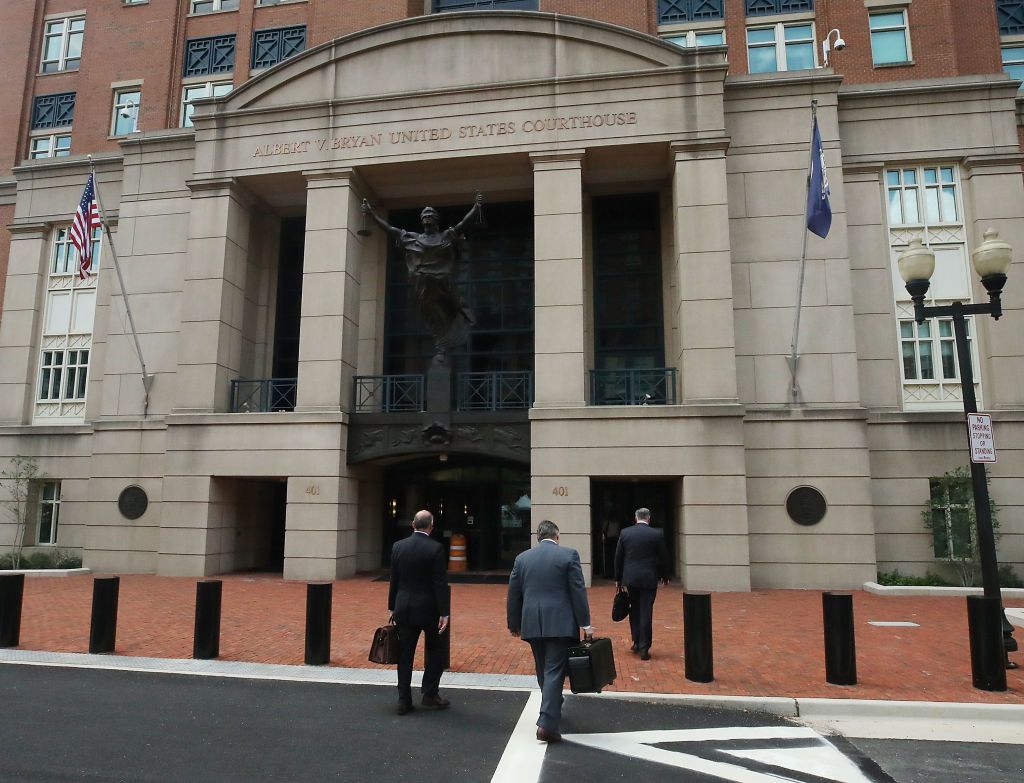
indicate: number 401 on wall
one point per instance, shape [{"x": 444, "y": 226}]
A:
[{"x": 561, "y": 492}]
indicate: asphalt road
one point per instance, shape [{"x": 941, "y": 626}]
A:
[{"x": 77, "y": 724}]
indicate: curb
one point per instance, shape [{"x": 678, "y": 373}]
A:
[
  {"x": 877, "y": 589},
  {"x": 47, "y": 571}
]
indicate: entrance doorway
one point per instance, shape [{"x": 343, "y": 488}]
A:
[
  {"x": 488, "y": 503},
  {"x": 612, "y": 505}
]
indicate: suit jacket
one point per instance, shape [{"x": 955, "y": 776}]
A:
[
  {"x": 641, "y": 557},
  {"x": 419, "y": 581},
  {"x": 547, "y": 597}
]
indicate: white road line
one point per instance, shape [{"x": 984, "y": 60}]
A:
[{"x": 524, "y": 755}]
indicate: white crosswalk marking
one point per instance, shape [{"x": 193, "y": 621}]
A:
[
  {"x": 815, "y": 756},
  {"x": 524, "y": 755}
]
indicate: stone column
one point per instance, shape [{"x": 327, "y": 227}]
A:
[
  {"x": 329, "y": 331},
  {"x": 320, "y": 527},
  {"x": 24, "y": 301},
  {"x": 213, "y": 296},
  {"x": 703, "y": 273},
  {"x": 559, "y": 349}
]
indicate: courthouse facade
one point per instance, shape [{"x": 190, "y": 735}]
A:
[{"x": 634, "y": 281}]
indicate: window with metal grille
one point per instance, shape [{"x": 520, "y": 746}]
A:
[
  {"x": 215, "y": 54},
  {"x": 53, "y": 111},
  {"x": 952, "y": 509},
  {"x": 62, "y": 44},
  {"x": 767, "y": 7},
  {"x": 1011, "y": 16},
  {"x": 269, "y": 47},
  {"x": 677, "y": 11},
  {"x": 483, "y": 5}
]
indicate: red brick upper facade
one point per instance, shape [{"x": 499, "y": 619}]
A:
[{"x": 143, "y": 43}]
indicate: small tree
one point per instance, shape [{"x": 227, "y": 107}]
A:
[
  {"x": 18, "y": 478},
  {"x": 950, "y": 517}
]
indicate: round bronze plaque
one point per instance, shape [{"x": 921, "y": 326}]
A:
[
  {"x": 806, "y": 506},
  {"x": 132, "y": 502}
]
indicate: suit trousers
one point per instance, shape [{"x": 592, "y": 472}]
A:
[
  {"x": 433, "y": 659},
  {"x": 641, "y": 615},
  {"x": 551, "y": 657}
]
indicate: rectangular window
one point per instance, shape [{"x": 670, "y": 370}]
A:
[
  {"x": 62, "y": 44},
  {"x": 695, "y": 38},
  {"x": 49, "y": 513},
  {"x": 209, "y": 6},
  {"x": 677, "y": 11},
  {"x": 205, "y": 56},
  {"x": 1013, "y": 62},
  {"x": 439, "y": 6},
  {"x": 53, "y": 146},
  {"x": 929, "y": 349},
  {"x": 194, "y": 92},
  {"x": 126, "y": 111},
  {"x": 269, "y": 47},
  {"x": 919, "y": 196},
  {"x": 780, "y": 47},
  {"x": 56, "y": 110},
  {"x": 890, "y": 38},
  {"x": 1010, "y": 14}
]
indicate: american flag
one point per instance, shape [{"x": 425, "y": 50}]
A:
[{"x": 87, "y": 217}]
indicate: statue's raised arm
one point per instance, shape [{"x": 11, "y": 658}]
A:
[
  {"x": 474, "y": 210},
  {"x": 385, "y": 226}
]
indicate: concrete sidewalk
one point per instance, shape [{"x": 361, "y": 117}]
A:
[{"x": 767, "y": 643}]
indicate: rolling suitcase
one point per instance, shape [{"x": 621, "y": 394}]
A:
[{"x": 591, "y": 666}]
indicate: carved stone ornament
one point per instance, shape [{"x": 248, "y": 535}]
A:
[{"x": 437, "y": 434}]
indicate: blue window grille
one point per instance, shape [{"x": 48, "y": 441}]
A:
[
  {"x": 269, "y": 47},
  {"x": 675, "y": 11},
  {"x": 1011, "y": 16},
  {"x": 649, "y": 386},
  {"x": 388, "y": 393},
  {"x": 768, "y": 7},
  {"x": 204, "y": 56},
  {"x": 494, "y": 391},
  {"x": 263, "y": 395},
  {"x": 53, "y": 111},
  {"x": 484, "y": 5}
]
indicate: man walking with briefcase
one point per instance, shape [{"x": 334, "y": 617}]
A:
[
  {"x": 641, "y": 558},
  {"x": 418, "y": 601},
  {"x": 547, "y": 607}
]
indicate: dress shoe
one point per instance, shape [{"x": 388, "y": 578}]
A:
[
  {"x": 403, "y": 708},
  {"x": 435, "y": 703},
  {"x": 548, "y": 736},
  {"x": 645, "y": 654},
  {"x": 635, "y": 648}
]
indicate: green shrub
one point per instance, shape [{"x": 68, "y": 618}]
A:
[
  {"x": 1008, "y": 577},
  {"x": 37, "y": 560},
  {"x": 897, "y": 579},
  {"x": 5, "y": 562},
  {"x": 62, "y": 559}
]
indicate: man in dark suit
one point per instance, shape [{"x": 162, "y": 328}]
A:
[
  {"x": 418, "y": 602},
  {"x": 641, "y": 558},
  {"x": 547, "y": 607}
]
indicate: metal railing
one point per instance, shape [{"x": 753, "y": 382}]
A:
[
  {"x": 494, "y": 391},
  {"x": 650, "y": 386},
  {"x": 388, "y": 393},
  {"x": 262, "y": 395}
]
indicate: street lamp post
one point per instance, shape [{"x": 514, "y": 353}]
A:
[{"x": 991, "y": 261}]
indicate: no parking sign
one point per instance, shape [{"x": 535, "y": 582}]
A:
[{"x": 983, "y": 447}]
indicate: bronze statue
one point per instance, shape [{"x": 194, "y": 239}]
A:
[{"x": 432, "y": 258}]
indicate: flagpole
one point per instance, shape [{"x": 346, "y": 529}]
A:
[
  {"x": 794, "y": 358},
  {"x": 147, "y": 379}
]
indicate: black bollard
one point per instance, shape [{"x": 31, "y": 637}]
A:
[
  {"x": 318, "y": 623},
  {"x": 988, "y": 656},
  {"x": 103, "y": 627},
  {"x": 840, "y": 641},
  {"x": 697, "y": 641},
  {"x": 207, "y": 635},
  {"x": 12, "y": 589}
]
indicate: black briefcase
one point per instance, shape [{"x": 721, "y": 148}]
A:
[{"x": 591, "y": 666}]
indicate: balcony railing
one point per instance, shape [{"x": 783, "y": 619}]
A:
[
  {"x": 494, "y": 391},
  {"x": 260, "y": 395},
  {"x": 388, "y": 393},
  {"x": 651, "y": 386}
]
